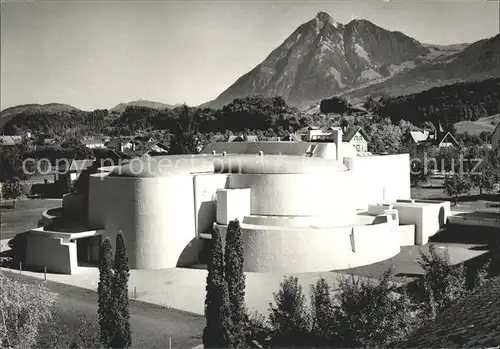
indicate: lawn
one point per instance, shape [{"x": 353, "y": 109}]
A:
[
  {"x": 24, "y": 216},
  {"x": 466, "y": 203}
]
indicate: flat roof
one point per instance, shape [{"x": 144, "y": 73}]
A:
[{"x": 165, "y": 166}]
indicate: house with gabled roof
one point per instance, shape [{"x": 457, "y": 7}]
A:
[
  {"x": 10, "y": 141},
  {"x": 357, "y": 137},
  {"x": 418, "y": 141}
]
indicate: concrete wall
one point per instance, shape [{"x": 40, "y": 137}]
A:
[
  {"x": 54, "y": 254},
  {"x": 425, "y": 217},
  {"x": 407, "y": 235},
  {"x": 232, "y": 204},
  {"x": 74, "y": 205},
  {"x": 380, "y": 178},
  {"x": 97, "y": 203},
  {"x": 156, "y": 215},
  {"x": 284, "y": 249},
  {"x": 205, "y": 188},
  {"x": 300, "y": 194}
]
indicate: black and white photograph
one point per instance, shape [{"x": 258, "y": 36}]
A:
[{"x": 249, "y": 174}]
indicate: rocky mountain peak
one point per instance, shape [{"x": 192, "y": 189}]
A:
[
  {"x": 323, "y": 57},
  {"x": 323, "y": 18}
]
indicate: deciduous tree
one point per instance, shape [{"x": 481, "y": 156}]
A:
[
  {"x": 12, "y": 189},
  {"x": 457, "y": 184},
  {"x": 289, "y": 315}
]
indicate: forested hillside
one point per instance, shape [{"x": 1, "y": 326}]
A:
[{"x": 448, "y": 104}]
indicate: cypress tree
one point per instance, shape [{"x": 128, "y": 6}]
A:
[
  {"x": 217, "y": 309},
  {"x": 122, "y": 337},
  {"x": 104, "y": 290},
  {"x": 235, "y": 278}
]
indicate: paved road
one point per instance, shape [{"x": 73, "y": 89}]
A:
[{"x": 151, "y": 325}]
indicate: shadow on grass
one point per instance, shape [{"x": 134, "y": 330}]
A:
[
  {"x": 7, "y": 206},
  {"x": 468, "y": 235},
  {"x": 16, "y": 255}
]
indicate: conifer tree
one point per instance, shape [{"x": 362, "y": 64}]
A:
[
  {"x": 104, "y": 292},
  {"x": 122, "y": 337},
  {"x": 217, "y": 309},
  {"x": 235, "y": 279}
]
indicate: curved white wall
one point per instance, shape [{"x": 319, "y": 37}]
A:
[
  {"x": 156, "y": 215},
  {"x": 299, "y": 194},
  {"x": 281, "y": 249}
]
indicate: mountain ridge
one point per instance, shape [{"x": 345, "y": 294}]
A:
[{"x": 323, "y": 57}]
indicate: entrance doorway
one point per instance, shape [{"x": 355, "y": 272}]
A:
[{"x": 87, "y": 251}]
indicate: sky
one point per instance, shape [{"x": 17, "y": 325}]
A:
[{"x": 96, "y": 54}]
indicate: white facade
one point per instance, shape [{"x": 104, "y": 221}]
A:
[{"x": 299, "y": 212}]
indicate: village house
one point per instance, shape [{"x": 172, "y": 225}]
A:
[
  {"x": 418, "y": 141},
  {"x": 357, "y": 137},
  {"x": 243, "y": 138},
  {"x": 121, "y": 144},
  {"x": 93, "y": 143},
  {"x": 73, "y": 168},
  {"x": 354, "y": 135},
  {"x": 10, "y": 141}
]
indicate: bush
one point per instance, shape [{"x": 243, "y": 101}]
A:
[
  {"x": 372, "y": 313},
  {"x": 442, "y": 283},
  {"x": 61, "y": 335},
  {"x": 258, "y": 331},
  {"x": 12, "y": 189},
  {"x": 289, "y": 317},
  {"x": 323, "y": 313},
  {"x": 24, "y": 309},
  {"x": 456, "y": 185}
]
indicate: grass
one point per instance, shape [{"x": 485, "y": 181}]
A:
[
  {"x": 486, "y": 124},
  {"x": 466, "y": 203},
  {"x": 24, "y": 216}
]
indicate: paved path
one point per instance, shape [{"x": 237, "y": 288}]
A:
[
  {"x": 151, "y": 325},
  {"x": 184, "y": 289}
]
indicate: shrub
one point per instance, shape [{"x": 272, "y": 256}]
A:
[
  {"x": 456, "y": 185},
  {"x": 24, "y": 309},
  {"x": 61, "y": 335},
  {"x": 442, "y": 283},
  {"x": 257, "y": 330},
  {"x": 289, "y": 317},
  {"x": 12, "y": 189},
  {"x": 323, "y": 313},
  {"x": 371, "y": 313}
]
